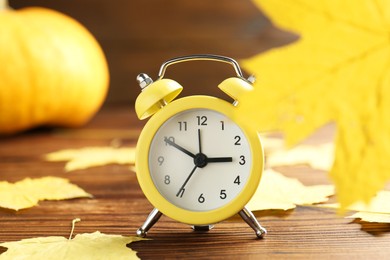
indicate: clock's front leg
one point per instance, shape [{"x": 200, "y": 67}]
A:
[
  {"x": 251, "y": 220},
  {"x": 153, "y": 217}
]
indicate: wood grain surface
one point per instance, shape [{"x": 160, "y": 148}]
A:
[
  {"x": 119, "y": 207},
  {"x": 138, "y": 36}
]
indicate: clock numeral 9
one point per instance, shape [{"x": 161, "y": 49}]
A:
[
  {"x": 202, "y": 120},
  {"x": 201, "y": 199},
  {"x": 242, "y": 160},
  {"x": 160, "y": 160}
]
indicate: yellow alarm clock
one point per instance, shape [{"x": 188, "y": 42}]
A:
[{"x": 196, "y": 161}]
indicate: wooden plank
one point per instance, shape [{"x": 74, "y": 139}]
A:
[
  {"x": 119, "y": 207},
  {"x": 137, "y": 36}
]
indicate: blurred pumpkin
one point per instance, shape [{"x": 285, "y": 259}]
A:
[{"x": 52, "y": 70}]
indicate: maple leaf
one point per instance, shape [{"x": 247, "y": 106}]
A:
[
  {"x": 279, "y": 192},
  {"x": 28, "y": 192},
  {"x": 83, "y": 246},
  {"x": 372, "y": 217},
  {"x": 338, "y": 70},
  {"x": 317, "y": 156},
  {"x": 87, "y": 157},
  {"x": 378, "y": 210}
]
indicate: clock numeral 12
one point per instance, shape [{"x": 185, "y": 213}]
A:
[{"x": 202, "y": 120}]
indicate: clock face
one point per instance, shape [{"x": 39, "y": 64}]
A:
[{"x": 199, "y": 160}]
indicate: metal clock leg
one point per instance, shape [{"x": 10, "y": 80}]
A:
[
  {"x": 251, "y": 220},
  {"x": 153, "y": 217}
]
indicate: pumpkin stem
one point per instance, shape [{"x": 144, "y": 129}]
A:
[{"x": 4, "y": 5}]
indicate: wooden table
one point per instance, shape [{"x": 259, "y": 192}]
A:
[{"x": 119, "y": 207}]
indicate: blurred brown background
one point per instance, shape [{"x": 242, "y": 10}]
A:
[{"x": 138, "y": 36}]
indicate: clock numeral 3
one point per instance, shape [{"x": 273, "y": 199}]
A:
[
  {"x": 202, "y": 120},
  {"x": 201, "y": 199},
  {"x": 242, "y": 160}
]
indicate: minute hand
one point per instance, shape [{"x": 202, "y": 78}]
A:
[
  {"x": 170, "y": 142},
  {"x": 219, "y": 159}
]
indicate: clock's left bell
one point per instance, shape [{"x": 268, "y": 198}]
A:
[{"x": 154, "y": 95}]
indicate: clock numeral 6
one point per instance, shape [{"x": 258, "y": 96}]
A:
[
  {"x": 160, "y": 160},
  {"x": 201, "y": 199},
  {"x": 242, "y": 160}
]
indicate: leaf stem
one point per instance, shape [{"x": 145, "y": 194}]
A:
[{"x": 73, "y": 225}]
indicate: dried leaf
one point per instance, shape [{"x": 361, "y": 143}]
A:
[
  {"x": 339, "y": 71},
  {"x": 92, "y": 156},
  {"x": 28, "y": 192},
  {"x": 84, "y": 246},
  {"x": 378, "y": 210},
  {"x": 372, "y": 217},
  {"x": 378, "y": 204},
  {"x": 317, "y": 156},
  {"x": 271, "y": 144},
  {"x": 279, "y": 192}
]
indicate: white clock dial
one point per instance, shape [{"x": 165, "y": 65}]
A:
[{"x": 199, "y": 160}]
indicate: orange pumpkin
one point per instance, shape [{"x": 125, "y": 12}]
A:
[{"x": 52, "y": 70}]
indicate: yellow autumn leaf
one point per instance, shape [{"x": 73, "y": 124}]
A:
[
  {"x": 378, "y": 210},
  {"x": 372, "y": 217},
  {"x": 317, "y": 156},
  {"x": 338, "y": 70},
  {"x": 28, "y": 192},
  {"x": 86, "y": 246},
  {"x": 87, "y": 157},
  {"x": 279, "y": 192}
]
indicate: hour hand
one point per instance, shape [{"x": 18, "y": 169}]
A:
[
  {"x": 170, "y": 142},
  {"x": 219, "y": 159}
]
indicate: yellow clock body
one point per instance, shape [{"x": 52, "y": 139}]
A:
[
  {"x": 226, "y": 185},
  {"x": 196, "y": 161}
]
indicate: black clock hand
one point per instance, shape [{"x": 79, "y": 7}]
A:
[
  {"x": 219, "y": 159},
  {"x": 181, "y": 191},
  {"x": 200, "y": 144},
  {"x": 170, "y": 142}
]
